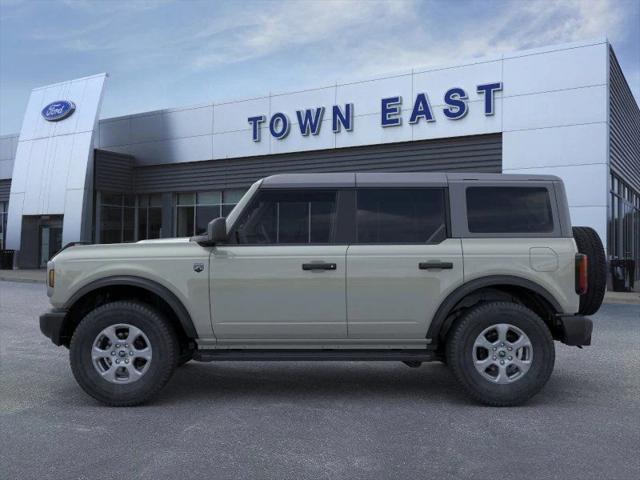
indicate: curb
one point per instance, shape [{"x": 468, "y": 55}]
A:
[
  {"x": 20, "y": 280},
  {"x": 621, "y": 301}
]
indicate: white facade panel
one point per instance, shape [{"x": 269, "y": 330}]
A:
[
  {"x": 14, "y": 219},
  {"x": 572, "y": 145},
  {"x": 92, "y": 95},
  {"x": 158, "y": 126},
  {"x": 35, "y": 177},
  {"x": 553, "y": 109},
  {"x": 231, "y": 117},
  {"x": 77, "y": 161},
  {"x": 234, "y": 144},
  {"x": 595, "y": 217},
  {"x": 139, "y": 129},
  {"x": 32, "y": 117},
  {"x": 558, "y": 70},
  {"x": 189, "y": 122},
  {"x": 436, "y": 82},
  {"x": 115, "y": 132},
  {"x": 367, "y": 131},
  {"x": 38, "y": 184},
  {"x": 61, "y": 170},
  {"x": 475, "y": 122},
  {"x": 20, "y": 175},
  {"x": 6, "y": 169},
  {"x": 8, "y": 145},
  {"x": 586, "y": 185},
  {"x": 295, "y": 142},
  {"x": 72, "y": 221},
  {"x": 366, "y": 96},
  {"x": 190, "y": 149},
  {"x": 289, "y": 103}
]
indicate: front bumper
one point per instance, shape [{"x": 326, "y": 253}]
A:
[
  {"x": 52, "y": 325},
  {"x": 575, "y": 330}
]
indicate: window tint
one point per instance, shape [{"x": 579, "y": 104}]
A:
[
  {"x": 281, "y": 217},
  {"x": 401, "y": 216},
  {"x": 509, "y": 210}
]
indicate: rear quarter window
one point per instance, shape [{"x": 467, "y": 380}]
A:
[{"x": 509, "y": 210}]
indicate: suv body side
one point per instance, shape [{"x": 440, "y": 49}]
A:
[
  {"x": 388, "y": 301},
  {"x": 377, "y": 296}
]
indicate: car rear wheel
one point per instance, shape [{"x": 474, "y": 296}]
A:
[
  {"x": 123, "y": 353},
  {"x": 502, "y": 353}
]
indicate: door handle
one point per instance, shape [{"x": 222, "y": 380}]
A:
[
  {"x": 319, "y": 266},
  {"x": 435, "y": 265}
]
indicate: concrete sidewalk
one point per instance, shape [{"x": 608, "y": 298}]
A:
[
  {"x": 622, "y": 297},
  {"x": 24, "y": 276},
  {"x": 38, "y": 276}
]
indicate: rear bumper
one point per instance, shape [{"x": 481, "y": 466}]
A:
[
  {"x": 52, "y": 324},
  {"x": 575, "y": 330}
]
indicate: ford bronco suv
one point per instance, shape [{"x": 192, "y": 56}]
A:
[{"x": 480, "y": 271}]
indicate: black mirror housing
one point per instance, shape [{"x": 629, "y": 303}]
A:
[{"x": 217, "y": 230}]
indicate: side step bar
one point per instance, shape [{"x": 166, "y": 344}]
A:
[{"x": 313, "y": 355}]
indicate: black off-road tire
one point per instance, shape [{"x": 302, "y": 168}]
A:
[
  {"x": 460, "y": 350},
  {"x": 164, "y": 344},
  {"x": 588, "y": 242}
]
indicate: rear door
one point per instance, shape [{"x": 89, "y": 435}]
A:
[
  {"x": 402, "y": 264},
  {"x": 283, "y": 277}
]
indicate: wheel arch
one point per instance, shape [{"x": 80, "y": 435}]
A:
[
  {"x": 501, "y": 285},
  {"x": 112, "y": 288}
]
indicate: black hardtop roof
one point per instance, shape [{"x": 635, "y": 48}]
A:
[{"x": 383, "y": 179}]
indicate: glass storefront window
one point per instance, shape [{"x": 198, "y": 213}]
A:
[
  {"x": 117, "y": 217},
  {"x": 4, "y": 209},
  {"x": 229, "y": 200},
  {"x": 624, "y": 223},
  {"x": 129, "y": 218},
  {"x": 194, "y": 211},
  {"x": 149, "y": 216}
]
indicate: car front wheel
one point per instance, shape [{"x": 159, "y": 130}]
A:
[
  {"x": 123, "y": 353},
  {"x": 502, "y": 353}
]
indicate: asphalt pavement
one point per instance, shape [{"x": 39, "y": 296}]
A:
[{"x": 317, "y": 420}]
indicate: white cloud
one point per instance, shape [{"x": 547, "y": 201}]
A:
[
  {"x": 374, "y": 37},
  {"x": 518, "y": 26},
  {"x": 288, "y": 26}
]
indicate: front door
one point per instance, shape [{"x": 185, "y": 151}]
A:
[
  {"x": 50, "y": 242},
  {"x": 283, "y": 276}
]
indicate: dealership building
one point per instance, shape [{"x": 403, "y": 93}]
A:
[{"x": 565, "y": 110}]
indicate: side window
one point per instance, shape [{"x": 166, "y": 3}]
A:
[
  {"x": 288, "y": 217},
  {"x": 509, "y": 210},
  {"x": 412, "y": 215}
]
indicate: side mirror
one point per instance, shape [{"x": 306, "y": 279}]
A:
[{"x": 217, "y": 230}]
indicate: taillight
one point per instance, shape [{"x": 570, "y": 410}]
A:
[{"x": 581, "y": 274}]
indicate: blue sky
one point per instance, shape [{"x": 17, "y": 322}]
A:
[{"x": 168, "y": 53}]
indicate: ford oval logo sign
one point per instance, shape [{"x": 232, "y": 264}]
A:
[{"x": 56, "y": 111}]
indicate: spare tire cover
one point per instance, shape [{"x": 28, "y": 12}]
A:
[{"x": 588, "y": 242}]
